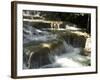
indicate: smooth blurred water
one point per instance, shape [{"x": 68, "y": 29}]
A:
[{"x": 64, "y": 55}]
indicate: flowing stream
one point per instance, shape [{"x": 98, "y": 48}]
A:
[{"x": 51, "y": 52}]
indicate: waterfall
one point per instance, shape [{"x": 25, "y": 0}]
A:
[
  {"x": 70, "y": 58},
  {"x": 55, "y": 53},
  {"x": 62, "y": 56}
]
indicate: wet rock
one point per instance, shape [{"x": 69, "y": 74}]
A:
[{"x": 40, "y": 58}]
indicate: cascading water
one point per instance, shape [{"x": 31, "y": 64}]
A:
[
  {"x": 52, "y": 52},
  {"x": 69, "y": 57}
]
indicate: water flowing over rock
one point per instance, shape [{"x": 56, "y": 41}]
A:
[
  {"x": 46, "y": 50},
  {"x": 32, "y": 34}
]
